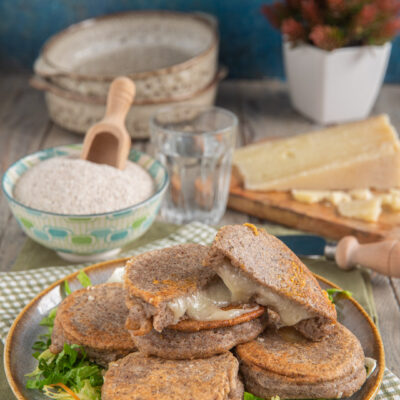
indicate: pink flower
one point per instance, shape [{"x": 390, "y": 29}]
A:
[
  {"x": 336, "y": 6},
  {"x": 367, "y": 15},
  {"x": 274, "y": 13},
  {"x": 330, "y": 24},
  {"x": 293, "y": 29},
  {"x": 311, "y": 12},
  {"x": 326, "y": 37},
  {"x": 390, "y": 28},
  {"x": 388, "y": 6}
]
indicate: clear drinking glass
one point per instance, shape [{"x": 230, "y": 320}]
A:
[{"x": 196, "y": 144}]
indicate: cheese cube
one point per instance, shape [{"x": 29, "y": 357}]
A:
[
  {"x": 391, "y": 201},
  {"x": 315, "y": 196},
  {"x": 336, "y": 197},
  {"x": 361, "y": 194},
  {"x": 367, "y": 210},
  {"x": 310, "y": 196}
]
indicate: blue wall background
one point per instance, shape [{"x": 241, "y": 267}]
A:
[{"x": 249, "y": 46}]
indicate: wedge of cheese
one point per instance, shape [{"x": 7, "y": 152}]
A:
[{"x": 359, "y": 155}]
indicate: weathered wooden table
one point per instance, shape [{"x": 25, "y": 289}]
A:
[{"x": 263, "y": 109}]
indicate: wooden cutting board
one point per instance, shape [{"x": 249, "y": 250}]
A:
[{"x": 321, "y": 219}]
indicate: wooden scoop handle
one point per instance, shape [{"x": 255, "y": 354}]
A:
[
  {"x": 120, "y": 96},
  {"x": 382, "y": 257},
  {"x": 108, "y": 141}
]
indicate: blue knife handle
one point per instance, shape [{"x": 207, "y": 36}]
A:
[{"x": 305, "y": 245}]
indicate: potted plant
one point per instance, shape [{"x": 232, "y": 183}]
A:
[{"x": 335, "y": 53}]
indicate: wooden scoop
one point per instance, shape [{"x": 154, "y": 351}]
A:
[
  {"x": 382, "y": 257},
  {"x": 108, "y": 141}
]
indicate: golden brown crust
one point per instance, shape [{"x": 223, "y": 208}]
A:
[
  {"x": 286, "y": 353},
  {"x": 190, "y": 325},
  {"x": 95, "y": 317},
  {"x": 161, "y": 275},
  {"x": 137, "y": 377},
  {"x": 143, "y": 328},
  {"x": 268, "y": 261},
  {"x": 266, "y": 384},
  {"x": 176, "y": 345}
]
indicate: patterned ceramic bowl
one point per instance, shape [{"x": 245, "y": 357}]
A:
[
  {"x": 169, "y": 55},
  {"x": 78, "y": 113},
  {"x": 85, "y": 237}
]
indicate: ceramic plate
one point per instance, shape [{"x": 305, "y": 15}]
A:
[{"x": 25, "y": 330}]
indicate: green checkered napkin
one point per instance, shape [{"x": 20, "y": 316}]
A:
[{"x": 18, "y": 288}]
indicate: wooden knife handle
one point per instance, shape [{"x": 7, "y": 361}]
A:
[{"x": 382, "y": 257}]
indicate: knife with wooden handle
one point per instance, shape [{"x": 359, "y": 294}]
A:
[{"x": 382, "y": 257}]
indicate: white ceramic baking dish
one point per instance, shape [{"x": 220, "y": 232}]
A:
[
  {"x": 78, "y": 113},
  {"x": 169, "y": 55}
]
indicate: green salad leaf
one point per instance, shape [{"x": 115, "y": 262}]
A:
[
  {"x": 332, "y": 293},
  {"x": 68, "y": 375},
  {"x": 70, "y": 368},
  {"x": 88, "y": 392},
  {"x": 249, "y": 396},
  {"x": 45, "y": 339},
  {"x": 84, "y": 279},
  {"x": 67, "y": 289}
]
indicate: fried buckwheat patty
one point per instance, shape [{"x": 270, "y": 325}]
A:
[
  {"x": 155, "y": 278},
  {"x": 284, "y": 363},
  {"x": 256, "y": 265},
  {"x": 183, "y": 344},
  {"x": 94, "y": 317},
  {"x": 137, "y": 377}
]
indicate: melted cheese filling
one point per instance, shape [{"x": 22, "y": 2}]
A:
[
  {"x": 243, "y": 290},
  {"x": 117, "y": 275},
  {"x": 234, "y": 288},
  {"x": 205, "y": 304}
]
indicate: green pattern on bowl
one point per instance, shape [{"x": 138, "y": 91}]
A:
[{"x": 85, "y": 234}]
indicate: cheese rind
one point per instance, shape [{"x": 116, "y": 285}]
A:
[{"x": 351, "y": 156}]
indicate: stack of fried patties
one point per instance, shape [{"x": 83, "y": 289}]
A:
[
  {"x": 196, "y": 314},
  {"x": 181, "y": 319},
  {"x": 247, "y": 293},
  {"x": 304, "y": 352}
]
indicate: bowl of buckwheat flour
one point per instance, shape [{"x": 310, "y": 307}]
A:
[{"x": 82, "y": 210}]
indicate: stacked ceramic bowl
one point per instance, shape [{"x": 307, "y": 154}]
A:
[{"x": 172, "y": 57}]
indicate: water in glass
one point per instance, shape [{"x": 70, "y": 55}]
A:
[{"x": 196, "y": 146}]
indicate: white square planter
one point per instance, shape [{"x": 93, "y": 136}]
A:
[{"x": 335, "y": 86}]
